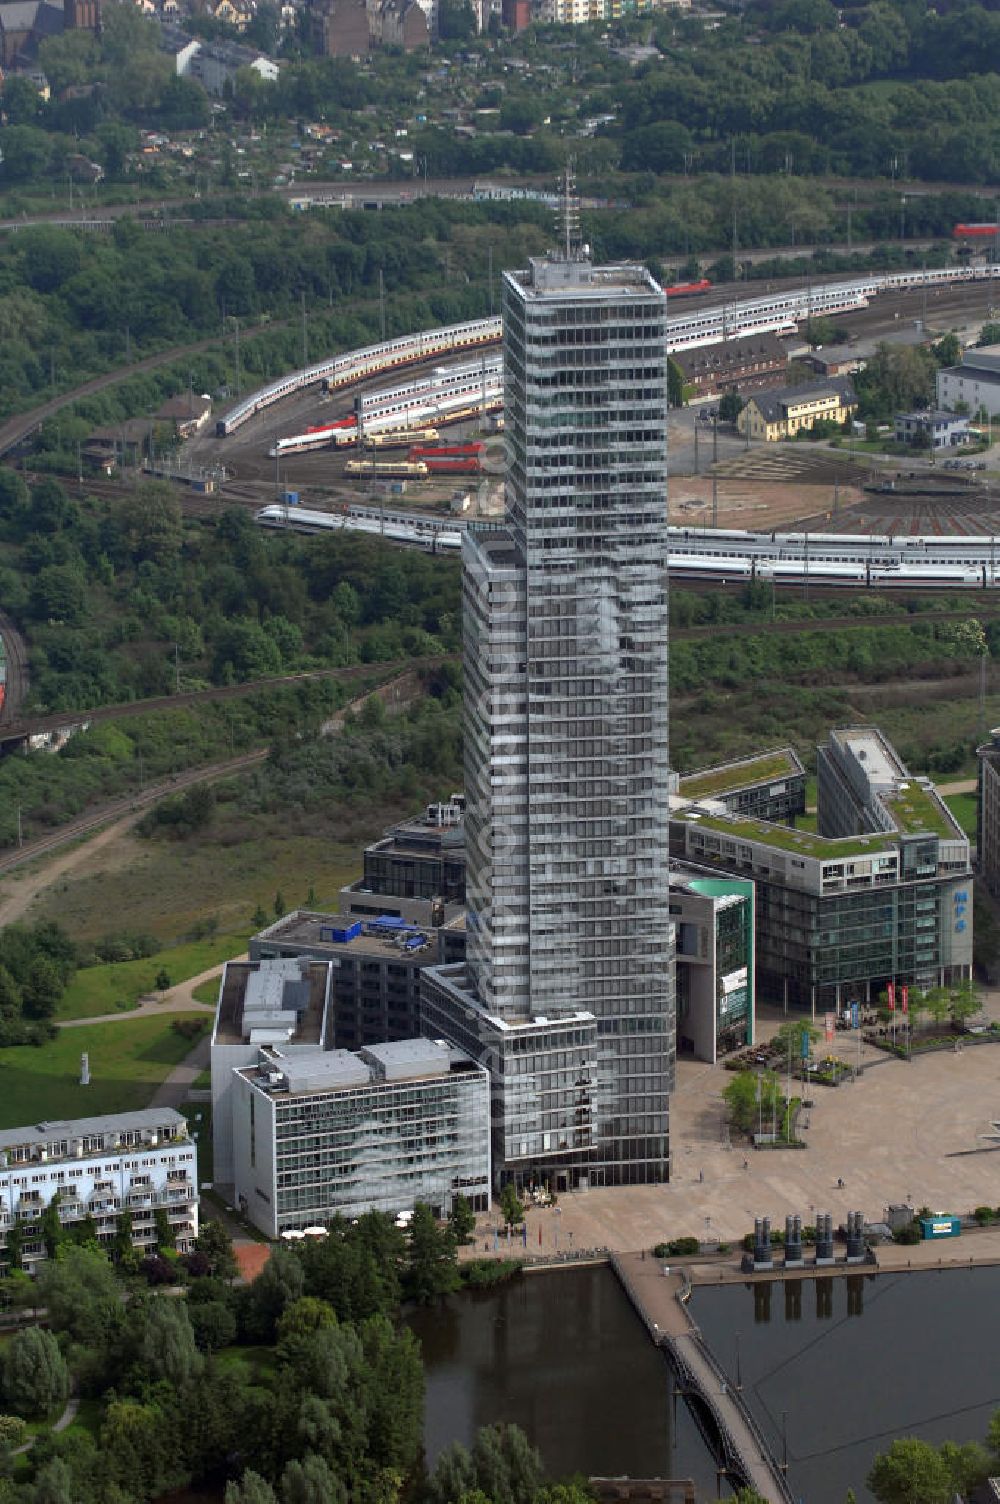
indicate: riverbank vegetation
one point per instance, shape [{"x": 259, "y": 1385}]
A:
[
  {"x": 917, "y": 1472},
  {"x": 300, "y": 1388}
]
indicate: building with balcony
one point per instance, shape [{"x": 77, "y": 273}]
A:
[
  {"x": 143, "y": 1163},
  {"x": 566, "y": 994},
  {"x": 880, "y": 892},
  {"x": 330, "y": 1133}
]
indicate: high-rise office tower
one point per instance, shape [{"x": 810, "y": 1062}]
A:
[{"x": 567, "y": 992}]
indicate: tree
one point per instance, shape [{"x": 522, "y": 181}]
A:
[
  {"x": 456, "y": 20},
  {"x": 740, "y": 1097},
  {"x": 948, "y": 350},
  {"x": 162, "y": 979},
  {"x": 164, "y": 1342},
  {"x": 964, "y": 1003},
  {"x": 81, "y": 1295},
  {"x": 911, "y": 1472},
  {"x": 123, "y": 1248},
  {"x": 937, "y": 1002},
  {"x": 279, "y": 1284},
  {"x": 989, "y": 335},
  {"x": 310, "y": 1482},
  {"x": 251, "y": 1489},
  {"x": 789, "y": 1037},
  {"x": 675, "y": 383},
  {"x": 15, "y": 1245},
  {"x": 510, "y": 1205},
  {"x": 213, "y": 1325},
  {"x": 12, "y": 1431},
  {"x": 462, "y": 1220},
  {"x": 214, "y": 1242},
  {"x": 43, "y": 989},
  {"x": 166, "y": 1237},
  {"x": 53, "y": 1232},
  {"x": 731, "y": 404},
  {"x": 432, "y": 1270},
  {"x": 279, "y": 904},
  {"x": 33, "y": 1373},
  {"x": 54, "y": 1483},
  {"x": 303, "y": 1317}
]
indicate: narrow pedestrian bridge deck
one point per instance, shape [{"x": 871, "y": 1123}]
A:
[{"x": 658, "y": 1300}]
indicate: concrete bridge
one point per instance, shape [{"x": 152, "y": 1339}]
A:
[{"x": 659, "y": 1300}]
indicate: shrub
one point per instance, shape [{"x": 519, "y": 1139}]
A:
[
  {"x": 483, "y": 1274},
  {"x": 983, "y": 1215},
  {"x": 907, "y": 1235},
  {"x": 188, "y": 1028}
]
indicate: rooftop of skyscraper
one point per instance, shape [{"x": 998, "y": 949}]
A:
[{"x": 577, "y": 276}]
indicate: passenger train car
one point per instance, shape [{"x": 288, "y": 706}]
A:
[
  {"x": 412, "y": 533},
  {"x": 358, "y": 365},
  {"x": 699, "y": 324},
  {"x": 726, "y": 556}
]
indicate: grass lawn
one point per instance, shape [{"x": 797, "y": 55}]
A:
[
  {"x": 206, "y": 992},
  {"x": 120, "y": 984},
  {"x": 164, "y": 888},
  {"x": 128, "y": 1060},
  {"x": 199, "y": 1117},
  {"x": 963, "y": 807}
]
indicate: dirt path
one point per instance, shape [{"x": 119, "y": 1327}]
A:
[
  {"x": 26, "y": 889},
  {"x": 174, "y": 1090},
  {"x": 960, "y": 786}
]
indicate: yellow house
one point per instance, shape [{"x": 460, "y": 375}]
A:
[{"x": 782, "y": 413}]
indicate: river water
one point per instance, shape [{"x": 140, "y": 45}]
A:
[
  {"x": 563, "y": 1356},
  {"x": 852, "y": 1362},
  {"x": 855, "y": 1362}
]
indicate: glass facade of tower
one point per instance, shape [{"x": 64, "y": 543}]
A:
[{"x": 567, "y": 780}]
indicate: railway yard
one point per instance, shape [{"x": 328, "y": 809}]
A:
[{"x": 764, "y": 487}]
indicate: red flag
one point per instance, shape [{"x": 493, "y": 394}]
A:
[
  {"x": 904, "y": 999},
  {"x": 539, "y": 1235},
  {"x": 890, "y": 993}
]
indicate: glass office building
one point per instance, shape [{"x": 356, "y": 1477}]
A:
[
  {"x": 566, "y": 715},
  {"x": 881, "y": 892},
  {"x": 339, "y": 1133}
]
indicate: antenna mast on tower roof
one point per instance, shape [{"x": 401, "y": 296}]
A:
[{"x": 569, "y": 213}]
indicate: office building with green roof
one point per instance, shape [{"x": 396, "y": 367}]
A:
[{"x": 880, "y": 892}]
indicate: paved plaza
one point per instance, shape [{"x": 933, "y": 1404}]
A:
[{"x": 900, "y": 1132}]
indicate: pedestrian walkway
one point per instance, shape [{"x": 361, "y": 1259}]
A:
[{"x": 656, "y": 1293}]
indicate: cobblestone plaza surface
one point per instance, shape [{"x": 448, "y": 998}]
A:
[{"x": 901, "y": 1132}]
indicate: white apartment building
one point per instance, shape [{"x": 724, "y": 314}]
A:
[
  {"x": 335, "y": 1132},
  {"x": 100, "y": 1167}
]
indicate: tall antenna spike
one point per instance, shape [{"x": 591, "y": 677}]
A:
[{"x": 569, "y": 213}]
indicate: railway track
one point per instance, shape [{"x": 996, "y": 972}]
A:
[
  {"x": 16, "y": 429},
  {"x": 35, "y": 725},
  {"x": 114, "y": 809},
  {"x": 394, "y": 691}
]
